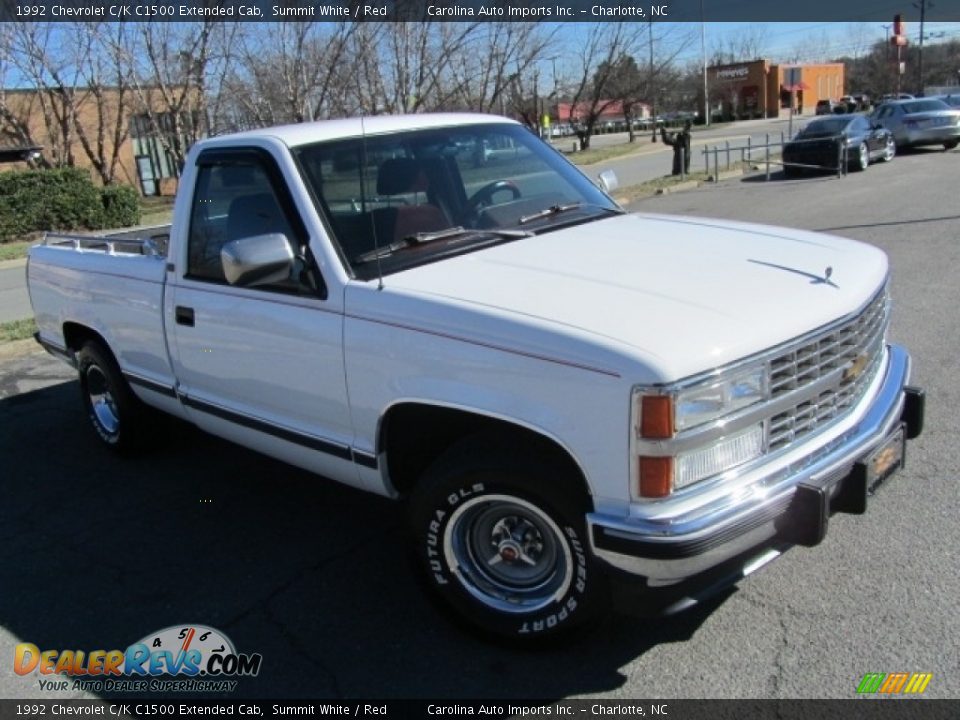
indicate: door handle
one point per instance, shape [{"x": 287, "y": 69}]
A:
[{"x": 184, "y": 316}]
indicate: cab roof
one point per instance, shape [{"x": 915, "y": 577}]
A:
[{"x": 311, "y": 132}]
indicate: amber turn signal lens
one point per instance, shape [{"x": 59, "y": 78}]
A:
[
  {"x": 656, "y": 417},
  {"x": 656, "y": 476}
]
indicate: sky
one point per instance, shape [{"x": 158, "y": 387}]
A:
[
  {"x": 808, "y": 42},
  {"x": 844, "y": 38}
]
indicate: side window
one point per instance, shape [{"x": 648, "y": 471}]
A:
[{"x": 232, "y": 201}]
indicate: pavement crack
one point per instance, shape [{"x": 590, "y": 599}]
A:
[
  {"x": 263, "y": 603},
  {"x": 300, "y": 649}
]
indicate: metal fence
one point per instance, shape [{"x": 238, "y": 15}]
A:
[{"x": 728, "y": 154}]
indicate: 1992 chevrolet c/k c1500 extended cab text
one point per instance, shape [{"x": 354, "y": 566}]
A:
[{"x": 441, "y": 308}]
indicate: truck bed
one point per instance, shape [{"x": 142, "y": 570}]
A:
[{"x": 112, "y": 284}]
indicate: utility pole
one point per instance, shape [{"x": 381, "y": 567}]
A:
[
  {"x": 536, "y": 103},
  {"x": 703, "y": 51},
  {"x": 653, "y": 92},
  {"x": 922, "y": 5},
  {"x": 887, "y": 46}
]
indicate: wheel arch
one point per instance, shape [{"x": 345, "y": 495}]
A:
[
  {"x": 413, "y": 434},
  {"x": 76, "y": 335}
]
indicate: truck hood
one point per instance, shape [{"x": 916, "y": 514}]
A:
[{"x": 683, "y": 294}]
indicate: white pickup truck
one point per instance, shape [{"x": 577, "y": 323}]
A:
[{"x": 442, "y": 309}]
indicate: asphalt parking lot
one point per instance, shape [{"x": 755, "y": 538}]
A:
[{"x": 99, "y": 551}]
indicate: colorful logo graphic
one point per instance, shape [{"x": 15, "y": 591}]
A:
[
  {"x": 894, "y": 683},
  {"x": 181, "y": 651}
]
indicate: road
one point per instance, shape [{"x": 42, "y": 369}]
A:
[
  {"x": 14, "y": 301},
  {"x": 653, "y": 160},
  {"x": 100, "y": 551}
]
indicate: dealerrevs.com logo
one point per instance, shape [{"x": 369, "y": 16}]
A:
[{"x": 181, "y": 658}]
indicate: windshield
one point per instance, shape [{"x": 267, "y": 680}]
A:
[{"x": 404, "y": 199}]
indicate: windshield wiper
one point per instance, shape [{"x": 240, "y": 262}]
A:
[
  {"x": 422, "y": 238},
  {"x": 557, "y": 209}
]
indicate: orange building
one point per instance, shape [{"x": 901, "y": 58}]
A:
[{"x": 761, "y": 89}]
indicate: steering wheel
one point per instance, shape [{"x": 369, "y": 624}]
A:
[{"x": 484, "y": 196}]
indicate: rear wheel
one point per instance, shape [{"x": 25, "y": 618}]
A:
[
  {"x": 502, "y": 539},
  {"x": 114, "y": 411},
  {"x": 950, "y": 144}
]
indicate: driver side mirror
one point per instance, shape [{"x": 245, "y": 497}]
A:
[
  {"x": 257, "y": 260},
  {"x": 607, "y": 180}
]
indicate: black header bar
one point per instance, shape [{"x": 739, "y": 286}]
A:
[
  {"x": 579, "y": 11},
  {"x": 157, "y": 707}
]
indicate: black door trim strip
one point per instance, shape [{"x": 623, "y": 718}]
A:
[
  {"x": 152, "y": 385},
  {"x": 314, "y": 443}
]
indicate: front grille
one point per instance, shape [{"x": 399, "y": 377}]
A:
[{"x": 850, "y": 353}]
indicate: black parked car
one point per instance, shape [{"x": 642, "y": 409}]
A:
[{"x": 826, "y": 139}]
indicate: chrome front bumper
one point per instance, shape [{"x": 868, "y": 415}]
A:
[{"x": 794, "y": 511}]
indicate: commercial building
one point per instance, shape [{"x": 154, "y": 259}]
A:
[
  {"x": 86, "y": 128},
  {"x": 760, "y": 88}
]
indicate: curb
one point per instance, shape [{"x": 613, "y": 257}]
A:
[
  {"x": 679, "y": 187},
  {"x": 725, "y": 175}
]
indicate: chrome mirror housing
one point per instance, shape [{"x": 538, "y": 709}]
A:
[
  {"x": 607, "y": 180},
  {"x": 257, "y": 260}
]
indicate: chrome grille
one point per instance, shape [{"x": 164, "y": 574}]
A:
[{"x": 830, "y": 355}]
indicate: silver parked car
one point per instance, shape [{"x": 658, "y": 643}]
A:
[{"x": 923, "y": 121}]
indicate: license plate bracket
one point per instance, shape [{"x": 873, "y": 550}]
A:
[
  {"x": 886, "y": 459},
  {"x": 871, "y": 472}
]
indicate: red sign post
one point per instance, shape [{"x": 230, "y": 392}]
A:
[{"x": 899, "y": 41}]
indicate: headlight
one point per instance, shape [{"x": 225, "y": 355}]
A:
[
  {"x": 659, "y": 417},
  {"x": 698, "y": 405}
]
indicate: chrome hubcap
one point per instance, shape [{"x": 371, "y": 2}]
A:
[
  {"x": 101, "y": 401},
  {"x": 508, "y": 553}
]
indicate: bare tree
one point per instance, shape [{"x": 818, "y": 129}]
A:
[
  {"x": 750, "y": 43},
  {"x": 406, "y": 64},
  {"x": 106, "y": 76},
  {"x": 14, "y": 125},
  {"x": 35, "y": 50},
  {"x": 485, "y": 73},
  {"x": 80, "y": 89},
  {"x": 290, "y": 72},
  {"x": 595, "y": 73},
  {"x": 180, "y": 80}
]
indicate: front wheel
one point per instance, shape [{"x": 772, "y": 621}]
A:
[
  {"x": 502, "y": 540},
  {"x": 889, "y": 150},
  {"x": 862, "y": 160},
  {"x": 950, "y": 144}
]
